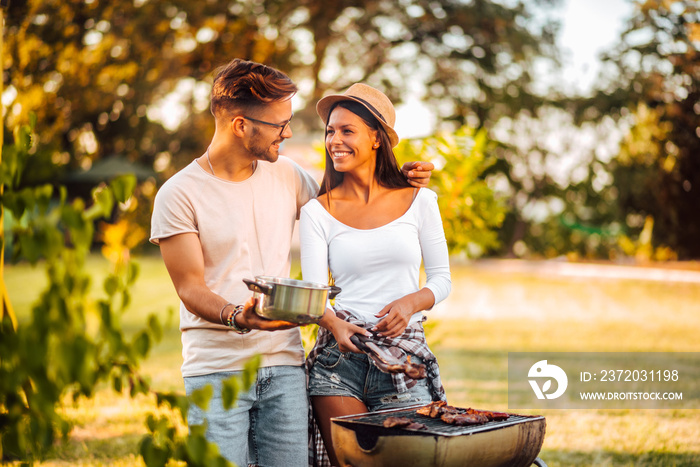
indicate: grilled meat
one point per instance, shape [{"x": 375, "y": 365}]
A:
[
  {"x": 496, "y": 416},
  {"x": 394, "y": 422},
  {"x": 462, "y": 419},
  {"x": 459, "y": 416},
  {"x": 432, "y": 410},
  {"x": 403, "y": 422},
  {"x": 449, "y": 409}
]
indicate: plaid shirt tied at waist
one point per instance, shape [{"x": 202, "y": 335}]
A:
[{"x": 412, "y": 341}]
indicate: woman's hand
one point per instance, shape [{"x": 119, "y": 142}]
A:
[
  {"x": 342, "y": 330},
  {"x": 395, "y": 317}
]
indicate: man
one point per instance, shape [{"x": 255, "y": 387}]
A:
[{"x": 229, "y": 215}]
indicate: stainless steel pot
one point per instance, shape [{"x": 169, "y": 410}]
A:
[{"x": 290, "y": 300}]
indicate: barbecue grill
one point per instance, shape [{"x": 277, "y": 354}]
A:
[{"x": 362, "y": 440}]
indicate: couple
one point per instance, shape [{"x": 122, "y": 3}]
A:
[{"x": 230, "y": 214}]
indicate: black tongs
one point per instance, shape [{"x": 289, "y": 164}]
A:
[{"x": 385, "y": 361}]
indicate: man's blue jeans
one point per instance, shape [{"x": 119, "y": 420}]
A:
[{"x": 268, "y": 426}]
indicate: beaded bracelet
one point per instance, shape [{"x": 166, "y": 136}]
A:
[
  {"x": 231, "y": 321},
  {"x": 221, "y": 313}
]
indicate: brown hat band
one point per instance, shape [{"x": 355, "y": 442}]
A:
[{"x": 371, "y": 107}]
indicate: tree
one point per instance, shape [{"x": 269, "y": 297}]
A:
[
  {"x": 632, "y": 195},
  {"x": 556, "y": 185},
  {"x": 96, "y": 73},
  {"x": 475, "y": 58},
  {"x": 93, "y": 71},
  {"x": 99, "y": 74},
  {"x": 652, "y": 85}
]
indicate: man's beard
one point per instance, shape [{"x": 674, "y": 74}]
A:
[{"x": 261, "y": 151}]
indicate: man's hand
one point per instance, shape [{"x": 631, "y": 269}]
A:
[
  {"x": 248, "y": 319},
  {"x": 418, "y": 173}
]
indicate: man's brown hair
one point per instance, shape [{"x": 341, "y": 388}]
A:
[{"x": 242, "y": 86}]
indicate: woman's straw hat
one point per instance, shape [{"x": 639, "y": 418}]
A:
[{"x": 374, "y": 100}]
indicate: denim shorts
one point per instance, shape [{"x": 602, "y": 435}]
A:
[
  {"x": 337, "y": 373},
  {"x": 268, "y": 426}
]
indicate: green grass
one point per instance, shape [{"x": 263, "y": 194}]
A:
[
  {"x": 488, "y": 314},
  {"x": 491, "y": 313}
]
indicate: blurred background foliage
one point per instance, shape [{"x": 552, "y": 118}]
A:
[
  {"x": 470, "y": 209},
  {"x": 651, "y": 87},
  {"x": 102, "y": 78}
]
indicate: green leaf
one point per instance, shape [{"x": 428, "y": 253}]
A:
[
  {"x": 43, "y": 196},
  {"x": 142, "y": 343},
  {"x": 126, "y": 299},
  {"x": 198, "y": 430},
  {"x": 71, "y": 214},
  {"x": 23, "y": 137},
  {"x": 153, "y": 456},
  {"x": 111, "y": 285},
  {"x": 220, "y": 462},
  {"x": 155, "y": 327},
  {"x": 104, "y": 202},
  {"x": 8, "y": 168},
  {"x": 174, "y": 400},
  {"x": 123, "y": 187},
  {"x": 197, "y": 447},
  {"x": 151, "y": 423},
  {"x": 117, "y": 384},
  {"x": 105, "y": 314},
  {"x": 202, "y": 396},
  {"x": 132, "y": 272},
  {"x": 250, "y": 371},
  {"x": 138, "y": 386},
  {"x": 229, "y": 392},
  {"x": 81, "y": 229}
]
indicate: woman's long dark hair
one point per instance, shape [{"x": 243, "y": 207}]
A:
[{"x": 386, "y": 171}]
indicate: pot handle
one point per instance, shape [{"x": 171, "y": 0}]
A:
[
  {"x": 333, "y": 291},
  {"x": 259, "y": 287}
]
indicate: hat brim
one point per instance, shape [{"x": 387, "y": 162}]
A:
[{"x": 323, "y": 108}]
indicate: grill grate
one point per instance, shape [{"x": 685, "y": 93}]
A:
[{"x": 435, "y": 426}]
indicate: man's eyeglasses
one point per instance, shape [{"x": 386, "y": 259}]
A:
[{"x": 282, "y": 126}]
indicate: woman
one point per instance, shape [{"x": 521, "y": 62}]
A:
[{"x": 370, "y": 228}]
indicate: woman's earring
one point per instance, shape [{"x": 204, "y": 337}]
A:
[{"x": 376, "y": 145}]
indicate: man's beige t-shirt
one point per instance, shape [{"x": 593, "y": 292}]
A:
[{"x": 245, "y": 229}]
